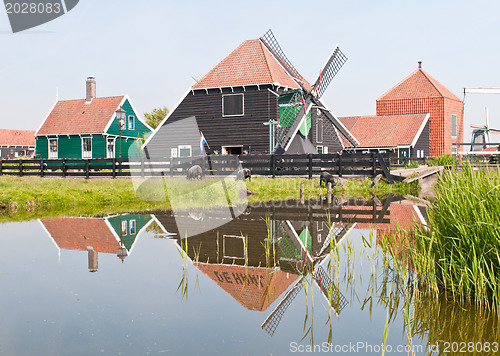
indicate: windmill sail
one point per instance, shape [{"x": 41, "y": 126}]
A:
[{"x": 331, "y": 68}]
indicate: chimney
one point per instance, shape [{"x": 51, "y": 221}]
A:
[
  {"x": 419, "y": 64},
  {"x": 91, "y": 89}
]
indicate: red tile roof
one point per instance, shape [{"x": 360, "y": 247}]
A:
[
  {"x": 384, "y": 131},
  {"x": 249, "y": 64},
  {"x": 77, "y": 117},
  {"x": 17, "y": 138},
  {"x": 80, "y": 233},
  {"x": 262, "y": 286},
  {"x": 418, "y": 85}
]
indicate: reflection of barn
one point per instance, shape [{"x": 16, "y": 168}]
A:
[{"x": 112, "y": 235}]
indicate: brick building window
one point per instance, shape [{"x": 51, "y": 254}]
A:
[{"x": 453, "y": 125}]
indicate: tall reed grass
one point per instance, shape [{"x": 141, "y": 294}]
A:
[{"x": 459, "y": 251}]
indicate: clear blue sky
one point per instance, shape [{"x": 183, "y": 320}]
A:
[{"x": 151, "y": 49}]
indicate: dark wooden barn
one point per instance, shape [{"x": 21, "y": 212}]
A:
[{"x": 238, "y": 104}]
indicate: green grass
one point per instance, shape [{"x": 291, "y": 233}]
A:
[
  {"x": 25, "y": 198},
  {"x": 459, "y": 252},
  {"x": 444, "y": 160}
]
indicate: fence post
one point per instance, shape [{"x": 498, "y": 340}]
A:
[
  {"x": 114, "y": 167},
  {"x": 1, "y": 167},
  {"x": 171, "y": 166},
  {"x": 64, "y": 167},
  {"x": 41, "y": 167},
  {"x": 87, "y": 169},
  {"x": 273, "y": 166},
  {"x": 20, "y": 168},
  {"x": 142, "y": 166},
  {"x": 310, "y": 165},
  {"x": 340, "y": 165},
  {"x": 374, "y": 165}
]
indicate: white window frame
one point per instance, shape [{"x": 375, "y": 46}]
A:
[
  {"x": 325, "y": 150},
  {"x": 124, "y": 228},
  {"x": 242, "y": 105},
  {"x": 114, "y": 147},
  {"x": 174, "y": 152},
  {"x": 454, "y": 151},
  {"x": 50, "y": 153},
  {"x": 131, "y": 127},
  {"x": 86, "y": 154},
  {"x": 132, "y": 226},
  {"x": 317, "y": 149},
  {"x": 185, "y": 147},
  {"x": 224, "y": 246}
]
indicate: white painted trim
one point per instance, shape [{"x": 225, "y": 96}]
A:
[
  {"x": 419, "y": 214},
  {"x": 298, "y": 126},
  {"x": 114, "y": 114},
  {"x": 242, "y": 104},
  {"x": 49, "y": 235},
  {"x": 338, "y": 121},
  {"x": 137, "y": 115},
  {"x": 165, "y": 119},
  {"x": 133, "y": 122},
  {"x": 46, "y": 117},
  {"x": 184, "y": 147},
  {"x": 130, "y": 227},
  {"x": 114, "y": 146},
  {"x": 419, "y": 132}
]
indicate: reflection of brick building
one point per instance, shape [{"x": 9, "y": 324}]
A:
[{"x": 420, "y": 93}]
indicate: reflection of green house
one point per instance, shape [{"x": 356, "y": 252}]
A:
[
  {"x": 116, "y": 234},
  {"x": 88, "y": 128}
]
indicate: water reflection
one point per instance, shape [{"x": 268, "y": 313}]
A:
[
  {"x": 114, "y": 234},
  {"x": 253, "y": 277}
]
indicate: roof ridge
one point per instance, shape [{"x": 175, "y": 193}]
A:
[
  {"x": 214, "y": 68},
  {"x": 267, "y": 62},
  {"x": 398, "y": 84}
]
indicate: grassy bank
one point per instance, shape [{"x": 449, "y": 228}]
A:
[
  {"x": 459, "y": 251},
  {"x": 24, "y": 198}
]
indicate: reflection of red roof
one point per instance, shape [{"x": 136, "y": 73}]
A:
[
  {"x": 418, "y": 85},
  {"x": 402, "y": 215},
  {"x": 17, "y": 138},
  {"x": 80, "y": 233},
  {"x": 262, "y": 286},
  {"x": 249, "y": 64},
  {"x": 79, "y": 117},
  {"x": 385, "y": 131}
]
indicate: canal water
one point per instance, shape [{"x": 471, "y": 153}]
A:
[{"x": 276, "y": 279}]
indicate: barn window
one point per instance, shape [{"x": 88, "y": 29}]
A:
[
  {"x": 319, "y": 149},
  {"x": 453, "y": 125},
  {"x": 233, "y": 105},
  {"x": 87, "y": 147}
]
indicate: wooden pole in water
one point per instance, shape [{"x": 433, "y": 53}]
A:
[
  {"x": 302, "y": 199},
  {"x": 329, "y": 192}
]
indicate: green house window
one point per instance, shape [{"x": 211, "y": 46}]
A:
[
  {"x": 184, "y": 151},
  {"x": 454, "y": 125},
  {"x": 87, "y": 147},
  {"x": 132, "y": 227},
  {"x": 131, "y": 122},
  {"x": 53, "y": 148}
]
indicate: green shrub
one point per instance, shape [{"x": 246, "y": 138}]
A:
[{"x": 444, "y": 160}]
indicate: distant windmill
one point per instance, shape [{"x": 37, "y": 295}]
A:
[
  {"x": 481, "y": 134},
  {"x": 302, "y": 100}
]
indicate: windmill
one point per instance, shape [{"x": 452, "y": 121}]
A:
[
  {"x": 302, "y": 101},
  {"x": 308, "y": 263},
  {"x": 481, "y": 134}
]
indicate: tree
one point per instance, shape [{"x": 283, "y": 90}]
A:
[{"x": 155, "y": 117}]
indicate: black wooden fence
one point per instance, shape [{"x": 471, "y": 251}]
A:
[{"x": 306, "y": 165}]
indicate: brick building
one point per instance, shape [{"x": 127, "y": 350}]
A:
[{"x": 420, "y": 93}]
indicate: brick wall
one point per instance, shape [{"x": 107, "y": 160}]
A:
[{"x": 440, "y": 110}]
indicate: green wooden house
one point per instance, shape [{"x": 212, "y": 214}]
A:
[{"x": 88, "y": 128}]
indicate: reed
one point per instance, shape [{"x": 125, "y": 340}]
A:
[{"x": 459, "y": 252}]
